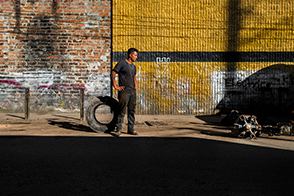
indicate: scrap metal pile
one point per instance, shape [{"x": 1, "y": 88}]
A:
[{"x": 247, "y": 126}]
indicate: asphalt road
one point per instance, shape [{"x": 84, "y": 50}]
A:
[{"x": 37, "y": 165}]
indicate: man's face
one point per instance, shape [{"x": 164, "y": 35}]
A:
[{"x": 134, "y": 56}]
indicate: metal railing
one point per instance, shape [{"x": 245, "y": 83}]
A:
[{"x": 27, "y": 104}]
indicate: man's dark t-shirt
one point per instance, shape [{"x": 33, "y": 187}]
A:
[{"x": 126, "y": 73}]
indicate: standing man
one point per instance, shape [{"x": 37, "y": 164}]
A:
[{"x": 127, "y": 88}]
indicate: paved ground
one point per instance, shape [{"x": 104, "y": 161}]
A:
[
  {"x": 69, "y": 124},
  {"x": 56, "y": 154}
]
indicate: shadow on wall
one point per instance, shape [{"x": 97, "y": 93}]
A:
[
  {"x": 266, "y": 92},
  {"x": 39, "y": 43},
  {"x": 40, "y": 46}
]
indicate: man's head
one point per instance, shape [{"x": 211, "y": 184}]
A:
[{"x": 133, "y": 54}]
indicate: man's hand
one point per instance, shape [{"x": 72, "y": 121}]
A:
[{"x": 119, "y": 88}]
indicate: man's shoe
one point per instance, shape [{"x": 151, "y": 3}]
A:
[
  {"x": 133, "y": 133},
  {"x": 117, "y": 133}
]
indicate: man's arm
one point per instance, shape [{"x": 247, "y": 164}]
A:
[
  {"x": 135, "y": 80},
  {"x": 119, "y": 88}
]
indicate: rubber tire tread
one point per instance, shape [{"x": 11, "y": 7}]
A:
[{"x": 90, "y": 116}]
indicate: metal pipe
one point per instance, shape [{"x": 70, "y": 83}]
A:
[
  {"x": 82, "y": 100},
  {"x": 27, "y": 102}
]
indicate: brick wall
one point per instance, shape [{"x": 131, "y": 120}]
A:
[{"x": 54, "y": 47}]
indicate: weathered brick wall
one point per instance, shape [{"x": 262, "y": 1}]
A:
[{"x": 54, "y": 47}]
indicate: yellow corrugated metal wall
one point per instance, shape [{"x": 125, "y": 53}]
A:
[{"x": 196, "y": 56}]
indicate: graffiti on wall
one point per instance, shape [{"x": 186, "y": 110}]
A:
[
  {"x": 267, "y": 91},
  {"x": 12, "y": 100},
  {"x": 181, "y": 88},
  {"x": 223, "y": 82},
  {"x": 221, "y": 79},
  {"x": 162, "y": 74},
  {"x": 49, "y": 89},
  {"x": 166, "y": 87}
]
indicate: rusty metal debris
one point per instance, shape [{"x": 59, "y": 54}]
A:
[
  {"x": 286, "y": 129},
  {"x": 281, "y": 128},
  {"x": 247, "y": 125}
]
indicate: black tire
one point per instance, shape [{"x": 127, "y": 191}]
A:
[{"x": 91, "y": 119}]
